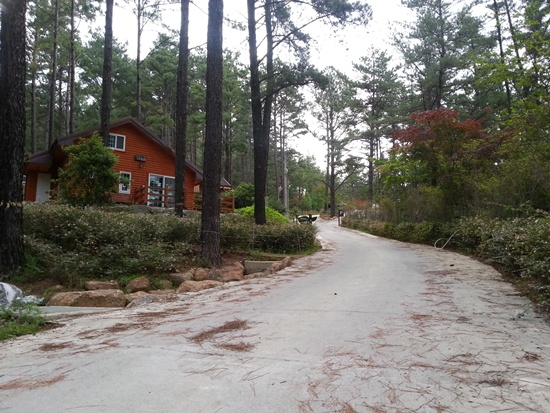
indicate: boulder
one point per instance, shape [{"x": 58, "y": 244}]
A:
[
  {"x": 165, "y": 284},
  {"x": 276, "y": 266},
  {"x": 96, "y": 298},
  {"x": 233, "y": 273},
  {"x": 256, "y": 275},
  {"x": 134, "y": 296},
  {"x": 167, "y": 291},
  {"x": 194, "y": 286},
  {"x": 287, "y": 262},
  {"x": 8, "y": 294},
  {"x": 200, "y": 274},
  {"x": 215, "y": 274},
  {"x": 138, "y": 284},
  {"x": 101, "y": 285},
  {"x": 251, "y": 267},
  {"x": 179, "y": 277}
]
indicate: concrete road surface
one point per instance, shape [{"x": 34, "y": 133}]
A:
[{"x": 365, "y": 325}]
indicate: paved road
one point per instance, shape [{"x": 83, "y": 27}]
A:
[{"x": 366, "y": 325}]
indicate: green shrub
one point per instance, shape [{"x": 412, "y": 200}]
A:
[
  {"x": 70, "y": 244},
  {"x": 244, "y": 195},
  {"x": 88, "y": 178},
  {"x": 520, "y": 247},
  {"x": 272, "y": 216},
  {"x": 20, "y": 319},
  {"x": 284, "y": 239}
]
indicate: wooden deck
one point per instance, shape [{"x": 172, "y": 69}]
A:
[{"x": 164, "y": 198}]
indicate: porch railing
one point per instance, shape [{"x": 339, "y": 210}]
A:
[
  {"x": 227, "y": 203},
  {"x": 164, "y": 197}
]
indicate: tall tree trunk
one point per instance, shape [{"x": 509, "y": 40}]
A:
[
  {"x": 370, "y": 181},
  {"x": 441, "y": 81},
  {"x": 53, "y": 75},
  {"x": 228, "y": 154},
  {"x": 260, "y": 160},
  {"x": 140, "y": 7},
  {"x": 500, "y": 41},
  {"x": 210, "y": 222},
  {"x": 12, "y": 131},
  {"x": 276, "y": 184},
  {"x": 72, "y": 64},
  {"x": 182, "y": 96},
  {"x": 261, "y": 113},
  {"x": 107, "y": 83},
  {"x": 33, "y": 97},
  {"x": 61, "y": 105},
  {"x": 327, "y": 166},
  {"x": 332, "y": 187}
]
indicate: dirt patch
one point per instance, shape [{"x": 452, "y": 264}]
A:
[
  {"x": 31, "y": 384},
  {"x": 224, "y": 328},
  {"x": 347, "y": 409},
  {"x": 54, "y": 346},
  {"x": 243, "y": 347}
]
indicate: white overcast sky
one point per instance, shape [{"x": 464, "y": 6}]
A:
[
  {"x": 331, "y": 49},
  {"x": 340, "y": 49}
]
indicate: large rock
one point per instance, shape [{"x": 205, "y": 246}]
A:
[
  {"x": 8, "y": 294},
  {"x": 214, "y": 274},
  {"x": 134, "y": 296},
  {"x": 138, "y": 284},
  {"x": 287, "y": 262},
  {"x": 178, "y": 278},
  {"x": 200, "y": 274},
  {"x": 97, "y": 298},
  {"x": 233, "y": 273},
  {"x": 167, "y": 291},
  {"x": 165, "y": 284},
  {"x": 251, "y": 267},
  {"x": 101, "y": 285},
  {"x": 194, "y": 286},
  {"x": 276, "y": 266}
]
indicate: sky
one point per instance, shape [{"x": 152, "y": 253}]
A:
[{"x": 338, "y": 49}]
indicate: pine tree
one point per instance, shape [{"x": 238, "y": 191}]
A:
[{"x": 12, "y": 131}]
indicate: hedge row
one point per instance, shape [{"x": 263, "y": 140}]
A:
[
  {"x": 520, "y": 247},
  {"x": 105, "y": 243}
]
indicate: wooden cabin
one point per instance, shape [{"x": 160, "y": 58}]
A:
[{"x": 144, "y": 159}]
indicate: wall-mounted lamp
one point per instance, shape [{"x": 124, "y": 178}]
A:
[{"x": 141, "y": 159}]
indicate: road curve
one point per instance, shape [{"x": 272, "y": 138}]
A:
[{"x": 365, "y": 325}]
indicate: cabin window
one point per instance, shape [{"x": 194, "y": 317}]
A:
[
  {"x": 117, "y": 142},
  {"x": 161, "y": 191},
  {"x": 124, "y": 187}
]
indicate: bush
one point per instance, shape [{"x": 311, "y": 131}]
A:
[
  {"x": 244, "y": 195},
  {"x": 88, "y": 177},
  {"x": 69, "y": 244},
  {"x": 272, "y": 216},
  {"x": 520, "y": 247},
  {"x": 284, "y": 239},
  {"x": 19, "y": 319}
]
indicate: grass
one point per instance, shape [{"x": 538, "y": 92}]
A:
[{"x": 20, "y": 319}]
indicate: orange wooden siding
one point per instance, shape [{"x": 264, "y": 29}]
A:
[
  {"x": 31, "y": 187},
  {"x": 153, "y": 157},
  {"x": 158, "y": 161}
]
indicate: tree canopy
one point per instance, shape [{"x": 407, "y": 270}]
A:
[{"x": 453, "y": 66}]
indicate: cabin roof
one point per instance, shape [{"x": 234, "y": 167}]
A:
[{"x": 44, "y": 160}]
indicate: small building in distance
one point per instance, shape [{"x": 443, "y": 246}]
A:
[{"x": 146, "y": 161}]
